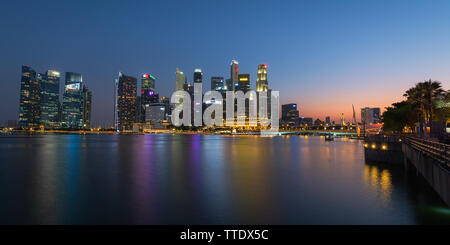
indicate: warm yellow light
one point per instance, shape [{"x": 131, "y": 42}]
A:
[
  {"x": 384, "y": 147},
  {"x": 374, "y": 146},
  {"x": 366, "y": 145}
]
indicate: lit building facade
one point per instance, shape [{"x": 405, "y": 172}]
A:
[
  {"x": 180, "y": 80},
  {"x": 72, "y": 107},
  {"x": 261, "y": 79},
  {"x": 148, "y": 95},
  {"x": 49, "y": 83},
  {"x": 290, "y": 114},
  {"x": 87, "y": 107},
  {"x": 243, "y": 82},
  {"x": 125, "y": 111},
  {"x": 370, "y": 115},
  {"x": 30, "y": 96},
  {"x": 217, "y": 84},
  {"x": 234, "y": 76}
]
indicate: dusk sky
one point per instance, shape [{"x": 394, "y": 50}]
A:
[{"x": 322, "y": 55}]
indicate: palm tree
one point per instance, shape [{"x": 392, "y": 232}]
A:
[{"x": 423, "y": 96}]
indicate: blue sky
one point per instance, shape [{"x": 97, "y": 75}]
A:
[{"x": 323, "y": 55}]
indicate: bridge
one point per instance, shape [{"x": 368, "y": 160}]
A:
[{"x": 320, "y": 132}]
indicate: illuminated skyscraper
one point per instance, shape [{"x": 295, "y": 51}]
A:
[
  {"x": 342, "y": 119},
  {"x": 148, "y": 95},
  {"x": 234, "y": 76},
  {"x": 49, "y": 82},
  {"x": 72, "y": 107},
  {"x": 261, "y": 79},
  {"x": 126, "y": 102},
  {"x": 217, "y": 83},
  {"x": 180, "y": 80},
  {"x": 198, "y": 76},
  {"x": 289, "y": 114},
  {"x": 244, "y": 82},
  {"x": 370, "y": 116},
  {"x": 30, "y": 96},
  {"x": 87, "y": 107}
]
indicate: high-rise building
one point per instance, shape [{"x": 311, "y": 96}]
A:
[
  {"x": 72, "y": 107},
  {"x": 87, "y": 107},
  {"x": 148, "y": 95},
  {"x": 148, "y": 82},
  {"x": 180, "y": 80},
  {"x": 328, "y": 120},
  {"x": 125, "y": 102},
  {"x": 49, "y": 82},
  {"x": 155, "y": 114},
  {"x": 289, "y": 114},
  {"x": 217, "y": 84},
  {"x": 30, "y": 97},
  {"x": 234, "y": 76},
  {"x": 261, "y": 80},
  {"x": 342, "y": 119},
  {"x": 370, "y": 115},
  {"x": 244, "y": 82},
  {"x": 198, "y": 76}
]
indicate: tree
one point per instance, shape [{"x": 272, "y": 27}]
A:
[
  {"x": 423, "y": 97},
  {"x": 442, "y": 107},
  {"x": 400, "y": 117}
]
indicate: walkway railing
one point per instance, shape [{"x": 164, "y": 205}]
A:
[{"x": 438, "y": 151}]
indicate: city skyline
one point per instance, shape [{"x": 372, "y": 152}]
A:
[{"x": 371, "y": 51}]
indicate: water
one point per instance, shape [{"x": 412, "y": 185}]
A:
[{"x": 195, "y": 179}]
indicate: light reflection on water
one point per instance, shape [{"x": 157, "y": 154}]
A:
[{"x": 195, "y": 179}]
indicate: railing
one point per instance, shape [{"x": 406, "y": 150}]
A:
[{"x": 438, "y": 151}]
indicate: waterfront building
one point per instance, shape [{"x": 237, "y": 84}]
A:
[
  {"x": 148, "y": 95},
  {"x": 217, "y": 84},
  {"x": 72, "y": 107},
  {"x": 290, "y": 114},
  {"x": 234, "y": 76},
  {"x": 328, "y": 120},
  {"x": 342, "y": 119},
  {"x": 30, "y": 97},
  {"x": 370, "y": 116},
  {"x": 180, "y": 80},
  {"x": 125, "y": 111},
  {"x": 49, "y": 101},
  {"x": 243, "y": 83},
  {"x": 155, "y": 114},
  {"x": 307, "y": 121},
  {"x": 87, "y": 107},
  {"x": 198, "y": 76},
  {"x": 261, "y": 79}
]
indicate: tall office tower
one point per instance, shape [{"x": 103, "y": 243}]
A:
[
  {"x": 244, "y": 82},
  {"x": 234, "y": 76},
  {"x": 72, "y": 107},
  {"x": 198, "y": 76},
  {"x": 197, "y": 115},
  {"x": 148, "y": 95},
  {"x": 217, "y": 83},
  {"x": 289, "y": 114},
  {"x": 370, "y": 116},
  {"x": 342, "y": 119},
  {"x": 261, "y": 79},
  {"x": 328, "y": 120},
  {"x": 30, "y": 96},
  {"x": 180, "y": 80},
  {"x": 148, "y": 82},
  {"x": 49, "y": 98},
  {"x": 87, "y": 107},
  {"x": 126, "y": 102}
]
